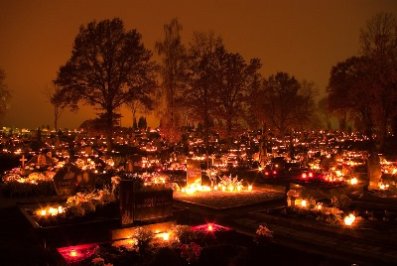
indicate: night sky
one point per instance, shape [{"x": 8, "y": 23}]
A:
[{"x": 304, "y": 38}]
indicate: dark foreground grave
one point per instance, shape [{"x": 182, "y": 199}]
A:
[
  {"x": 208, "y": 244},
  {"x": 361, "y": 246}
]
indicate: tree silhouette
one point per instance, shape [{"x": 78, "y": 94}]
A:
[
  {"x": 142, "y": 124},
  {"x": 349, "y": 91},
  {"x": 109, "y": 67},
  {"x": 366, "y": 86},
  {"x": 200, "y": 94},
  {"x": 379, "y": 44},
  {"x": 134, "y": 124},
  {"x": 174, "y": 75},
  {"x": 5, "y": 94},
  {"x": 233, "y": 80},
  {"x": 49, "y": 93},
  {"x": 285, "y": 103}
]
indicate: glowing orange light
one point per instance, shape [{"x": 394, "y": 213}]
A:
[
  {"x": 349, "y": 219},
  {"x": 165, "y": 236},
  {"x": 353, "y": 181},
  {"x": 210, "y": 228},
  {"x": 73, "y": 254}
]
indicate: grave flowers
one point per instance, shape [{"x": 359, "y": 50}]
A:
[
  {"x": 263, "y": 235},
  {"x": 78, "y": 205},
  {"x": 19, "y": 183}
]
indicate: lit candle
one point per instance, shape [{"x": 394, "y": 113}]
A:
[{"x": 349, "y": 219}]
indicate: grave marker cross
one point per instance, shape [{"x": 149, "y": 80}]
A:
[{"x": 23, "y": 160}]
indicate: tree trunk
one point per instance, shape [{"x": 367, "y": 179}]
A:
[
  {"x": 206, "y": 139},
  {"x": 374, "y": 171},
  {"x": 394, "y": 125},
  {"x": 291, "y": 147},
  {"x": 56, "y": 116},
  {"x": 109, "y": 129},
  {"x": 343, "y": 121},
  {"x": 366, "y": 115},
  {"x": 263, "y": 147},
  {"x": 229, "y": 126},
  {"x": 133, "y": 116},
  {"x": 383, "y": 134}
]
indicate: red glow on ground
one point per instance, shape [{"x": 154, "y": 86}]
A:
[
  {"x": 78, "y": 253},
  {"x": 210, "y": 227}
]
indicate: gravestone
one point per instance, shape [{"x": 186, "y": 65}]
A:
[
  {"x": 23, "y": 160},
  {"x": 374, "y": 171},
  {"x": 193, "y": 172},
  {"x": 143, "y": 204},
  {"x": 152, "y": 204},
  {"x": 181, "y": 158},
  {"x": 88, "y": 150},
  {"x": 126, "y": 201},
  {"x": 129, "y": 166},
  {"x": 85, "y": 182},
  {"x": 42, "y": 160},
  {"x": 66, "y": 180}
]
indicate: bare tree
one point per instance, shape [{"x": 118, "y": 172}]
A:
[
  {"x": 285, "y": 103},
  {"x": 49, "y": 93},
  {"x": 350, "y": 91},
  {"x": 173, "y": 73},
  {"x": 379, "y": 44},
  {"x": 109, "y": 67},
  {"x": 200, "y": 94},
  {"x": 233, "y": 80}
]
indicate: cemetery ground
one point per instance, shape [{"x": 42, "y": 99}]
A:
[
  {"x": 329, "y": 244},
  {"x": 238, "y": 213},
  {"x": 306, "y": 243},
  {"x": 20, "y": 244}
]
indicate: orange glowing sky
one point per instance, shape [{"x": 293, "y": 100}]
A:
[{"x": 305, "y": 38}]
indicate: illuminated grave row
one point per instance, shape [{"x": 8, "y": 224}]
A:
[
  {"x": 155, "y": 235},
  {"x": 226, "y": 184}
]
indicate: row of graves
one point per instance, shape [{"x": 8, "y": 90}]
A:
[
  {"x": 338, "y": 200},
  {"x": 333, "y": 196},
  {"x": 135, "y": 221},
  {"x": 129, "y": 218},
  {"x": 155, "y": 205}
]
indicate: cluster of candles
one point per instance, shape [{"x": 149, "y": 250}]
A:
[
  {"x": 75, "y": 254},
  {"x": 196, "y": 187},
  {"x": 50, "y": 211},
  {"x": 348, "y": 220},
  {"x": 33, "y": 178}
]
